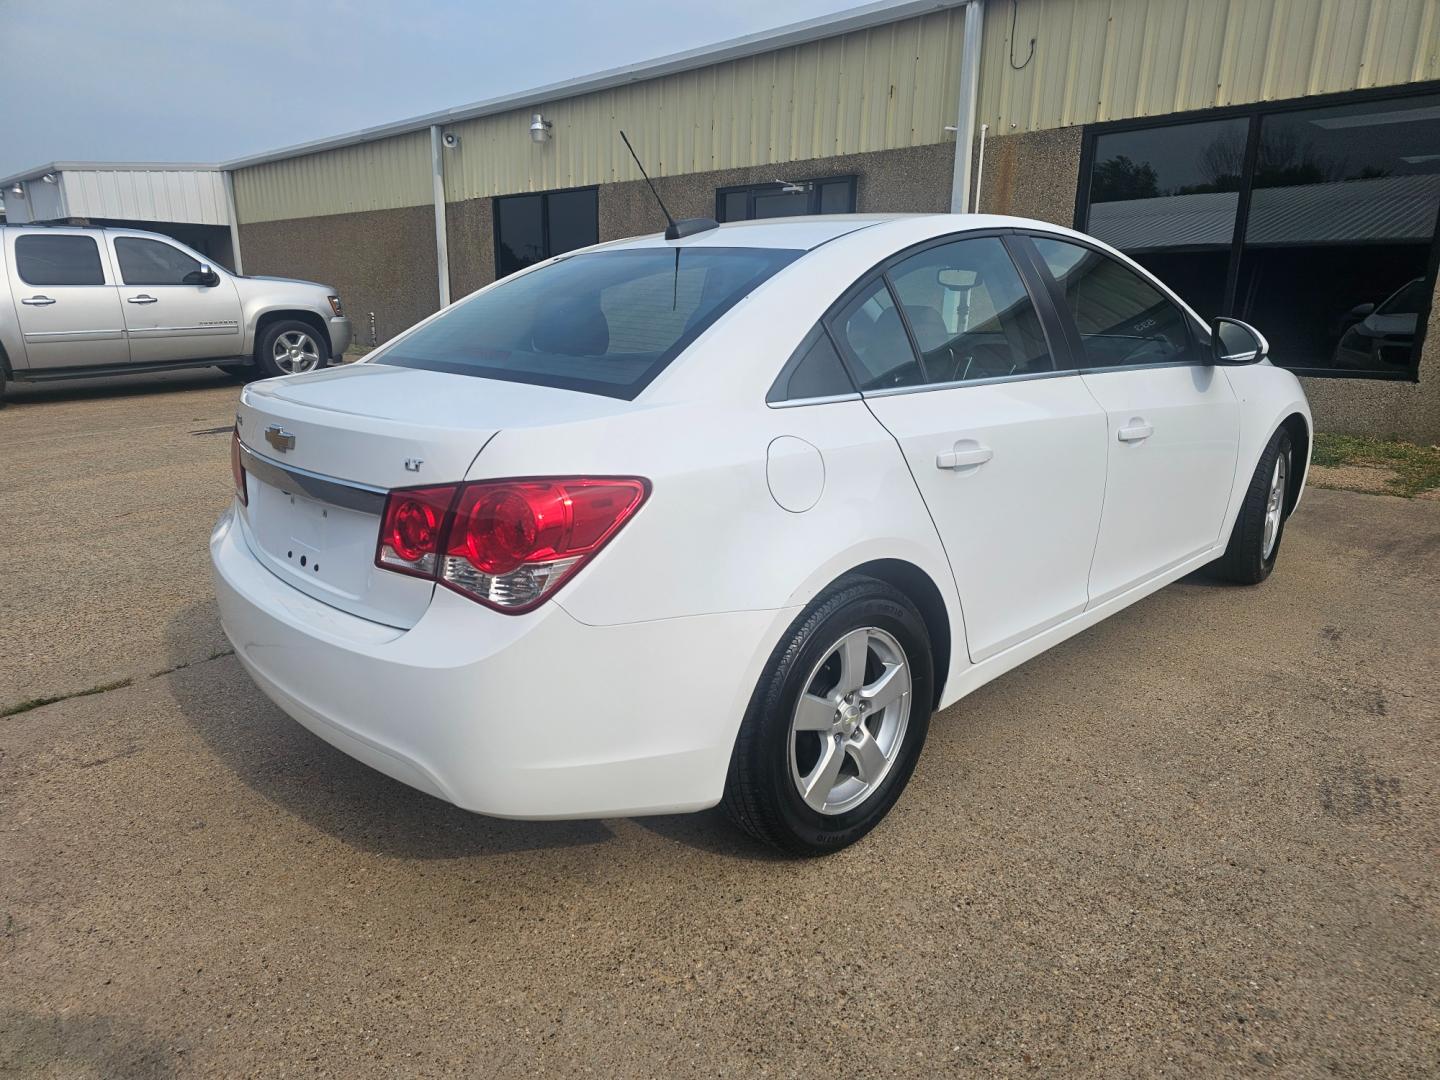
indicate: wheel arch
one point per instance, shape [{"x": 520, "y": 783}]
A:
[
  {"x": 1299, "y": 428},
  {"x": 309, "y": 318},
  {"x": 922, "y": 591}
]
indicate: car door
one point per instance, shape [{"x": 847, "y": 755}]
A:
[
  {"x": 65, "y": 300},
  {"x": 171, "y": 312},
  {"x": 1174, "y": 422},
  {"x": 953, "y": 355}
]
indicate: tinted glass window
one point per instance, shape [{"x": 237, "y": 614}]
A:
[
  {"x": 150, "y": 262},
  {"x": 832, "y": 195},
  {"x": 1168, "y": 197},
  {"x": 970, "y": 313},
  {"x": 814, "y": 371},
  {"x": 1341, "y": 220},
  {"x": 1122, "y": 318},
  {"x": 573, "y": 221},
  {"x": 604, "y": 322},
  {"x": 519, "y": 232},
  {"x": 58, "y": 260},
  {"x": 870, "y": 332},
  {"x": 532, "y": 228}
]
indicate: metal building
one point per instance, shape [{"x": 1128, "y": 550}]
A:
[{"x": 1274, "y": 159}]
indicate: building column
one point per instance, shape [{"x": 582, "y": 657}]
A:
[
  {"x": 442, "y": 248},
  {"x": 968, "y": 106}
]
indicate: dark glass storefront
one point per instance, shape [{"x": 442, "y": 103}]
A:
[{"x": 1316, "y": 221}]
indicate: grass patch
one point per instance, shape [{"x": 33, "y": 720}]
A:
[
  {"x": 1415, "y": 468},
  {"x": 39, "y": 702}
]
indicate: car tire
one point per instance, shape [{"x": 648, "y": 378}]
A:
[
  {"x": 785, "y": 743},
  {"x": 4, "y": 383},
  {"x": 1260, "y": 526},
  {"x": 290, "y": 347}
]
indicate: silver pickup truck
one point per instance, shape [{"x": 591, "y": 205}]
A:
[{"x": 81, "y": 302}]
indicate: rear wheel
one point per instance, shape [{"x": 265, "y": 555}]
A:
[
  {"x": 1255, "y": 541},
  {"x": 291, "y": 348},
  {"x": 836, "y": 725}
]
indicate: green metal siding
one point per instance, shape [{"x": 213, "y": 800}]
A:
[
  {"x": 879, "y": 89},
  {"x": 1112, "y": 59},
  {"x": 381, "y": 175}
]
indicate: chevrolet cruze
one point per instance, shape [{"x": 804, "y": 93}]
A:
[{"x": 666, "y": 523}]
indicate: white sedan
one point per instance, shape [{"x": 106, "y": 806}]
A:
[{"x": 666, "y": 523}]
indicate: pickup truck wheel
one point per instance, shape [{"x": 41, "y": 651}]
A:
[{"x": 291, "y": 348}]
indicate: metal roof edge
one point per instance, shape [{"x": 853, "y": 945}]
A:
[
  {"x": 108, "y": 166},
  {"x": 799, "y": 33}
]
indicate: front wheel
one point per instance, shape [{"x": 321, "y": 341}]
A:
[
  {"x": 291, "y": 348},
  {"x": 837, "y": 722},
  {"x": 1260, "y": 526}
]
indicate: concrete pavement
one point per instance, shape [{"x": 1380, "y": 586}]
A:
[{"x": 1200, "y": 839}]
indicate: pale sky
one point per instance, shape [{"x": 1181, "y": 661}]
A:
[{"x": 210, "y": 80}]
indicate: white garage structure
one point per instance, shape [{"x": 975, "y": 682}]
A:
[{"x": 192, "y": 203}]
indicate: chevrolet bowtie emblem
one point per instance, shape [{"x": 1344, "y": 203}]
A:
[{"x": 279, "y": 438}]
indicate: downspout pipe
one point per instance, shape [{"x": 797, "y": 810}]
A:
[
  {"x": 442, "y": 246},
  {"x": 960, "y": 201}
]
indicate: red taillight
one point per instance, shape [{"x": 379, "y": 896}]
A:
[
  {"x": 507, "y": 543},
  {"x": 411, "y": 529},
  {"x": 237, "y": 470}
]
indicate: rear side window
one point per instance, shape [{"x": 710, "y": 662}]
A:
[
  {"x": 870, "y": 332},
  {"x": 970, "y": 312},
  {"x": 1123, "y": 320},
  {"x": 150, "y": 262},
  {"x": 815, "y": 371},
  {"x": 604, "y": 322},
  {"x": 58, "y": 260}
]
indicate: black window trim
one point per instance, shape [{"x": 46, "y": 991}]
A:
[
  {"x": 776, "y": 186},
  {"x": 544, "y": 197},
  {"x": 1253, "y": 112},
  {"x": 1197, "y": 332},
  {"x": 802, "y": 350},
  {"x": 1050, "y": 325},
  {"x": 105, "y": 271}
]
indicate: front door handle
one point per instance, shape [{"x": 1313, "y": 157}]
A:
[
  {"x": 960, "y": 459},
  {"x": 1138, "y": 431},
  {"x": 141, "y": 299},
  {"x": 38, "y": 301}
]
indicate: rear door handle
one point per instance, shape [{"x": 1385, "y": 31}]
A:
[
  {"x": 141, "y": 299},
  {"x": 38, "y": 301},
  {"x": 959, "y": 459},
  {"x": 1136, "y": 432}
]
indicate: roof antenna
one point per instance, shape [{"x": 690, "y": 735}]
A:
[{"x": 674, "y": 230}]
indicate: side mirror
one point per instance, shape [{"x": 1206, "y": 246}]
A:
[
  {"x": 204, "y": 276},
  {"x": 1233, "y": 343}
]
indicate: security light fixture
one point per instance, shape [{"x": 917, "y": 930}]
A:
[
  {"x": 539, "y": 128},
  {"x": 48, "y": 178},
  {"x": 18, "y": 191}
]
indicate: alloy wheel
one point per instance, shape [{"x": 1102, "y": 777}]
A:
[
  {"x": 849, "y": 724},
  {"x": 295, "y": 351},
  {"x": 1275, "y": 504}
]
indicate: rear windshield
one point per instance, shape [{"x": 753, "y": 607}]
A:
[{"x": 606, "y": 322}]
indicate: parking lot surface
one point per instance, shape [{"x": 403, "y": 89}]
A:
[{"x": 1199, "y": 839}]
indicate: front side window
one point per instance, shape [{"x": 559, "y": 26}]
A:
[
  {"x": 58, "y": 260},
  {"x": 831, "y": 195},
  {"x": 970, "y": 313},
  {"x": 1124, "y": 321},
  {"x": 605, "y": 322},
  {"x": 150, "y": 262},
  {"x": 533, "y": 228}
]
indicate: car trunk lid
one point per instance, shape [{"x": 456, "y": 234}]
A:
[{"x": 321, "y": 450}]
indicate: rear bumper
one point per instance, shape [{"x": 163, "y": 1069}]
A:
[
  {"x": 531, "y": 716},
  {"x": 339, "y": 336}
]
